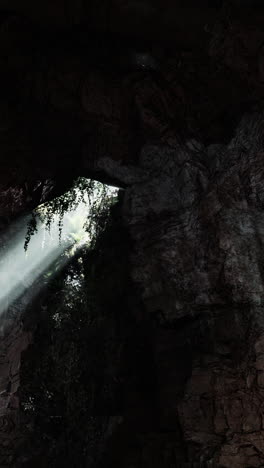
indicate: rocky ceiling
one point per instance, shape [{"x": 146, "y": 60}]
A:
[{"x": 81, "y": 80}]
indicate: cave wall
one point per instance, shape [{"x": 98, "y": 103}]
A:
[{"x": 195, "y": 216}]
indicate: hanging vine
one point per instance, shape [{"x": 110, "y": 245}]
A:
[{"x": 97, "y": 196}]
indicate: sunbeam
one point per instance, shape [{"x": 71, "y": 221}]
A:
[{"x": 19, "y": 270}]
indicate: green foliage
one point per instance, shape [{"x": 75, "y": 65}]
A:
[
  {"x": 31, "y": 229},
  {"x": 95, "y": 195}
]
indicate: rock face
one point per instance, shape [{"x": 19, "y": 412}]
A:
[
  {"x": 195, "y": 216},
  {"x": 202, "y": 265}
]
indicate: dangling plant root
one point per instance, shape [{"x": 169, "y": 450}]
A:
[{"x": 90, "y": 192}]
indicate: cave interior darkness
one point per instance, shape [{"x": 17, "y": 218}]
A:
[{"x": 143, "y": 347}]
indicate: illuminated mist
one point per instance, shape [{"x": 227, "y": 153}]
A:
[{"x": 19, "y": 270}]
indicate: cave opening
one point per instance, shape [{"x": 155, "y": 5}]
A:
[
  {"x": 68, "y": 291},
  {"x": 73, "y": 376},
  {"x": 38, "y": 245}
]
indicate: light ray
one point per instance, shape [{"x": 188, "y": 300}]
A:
[{"x": 19, "y": 270}]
